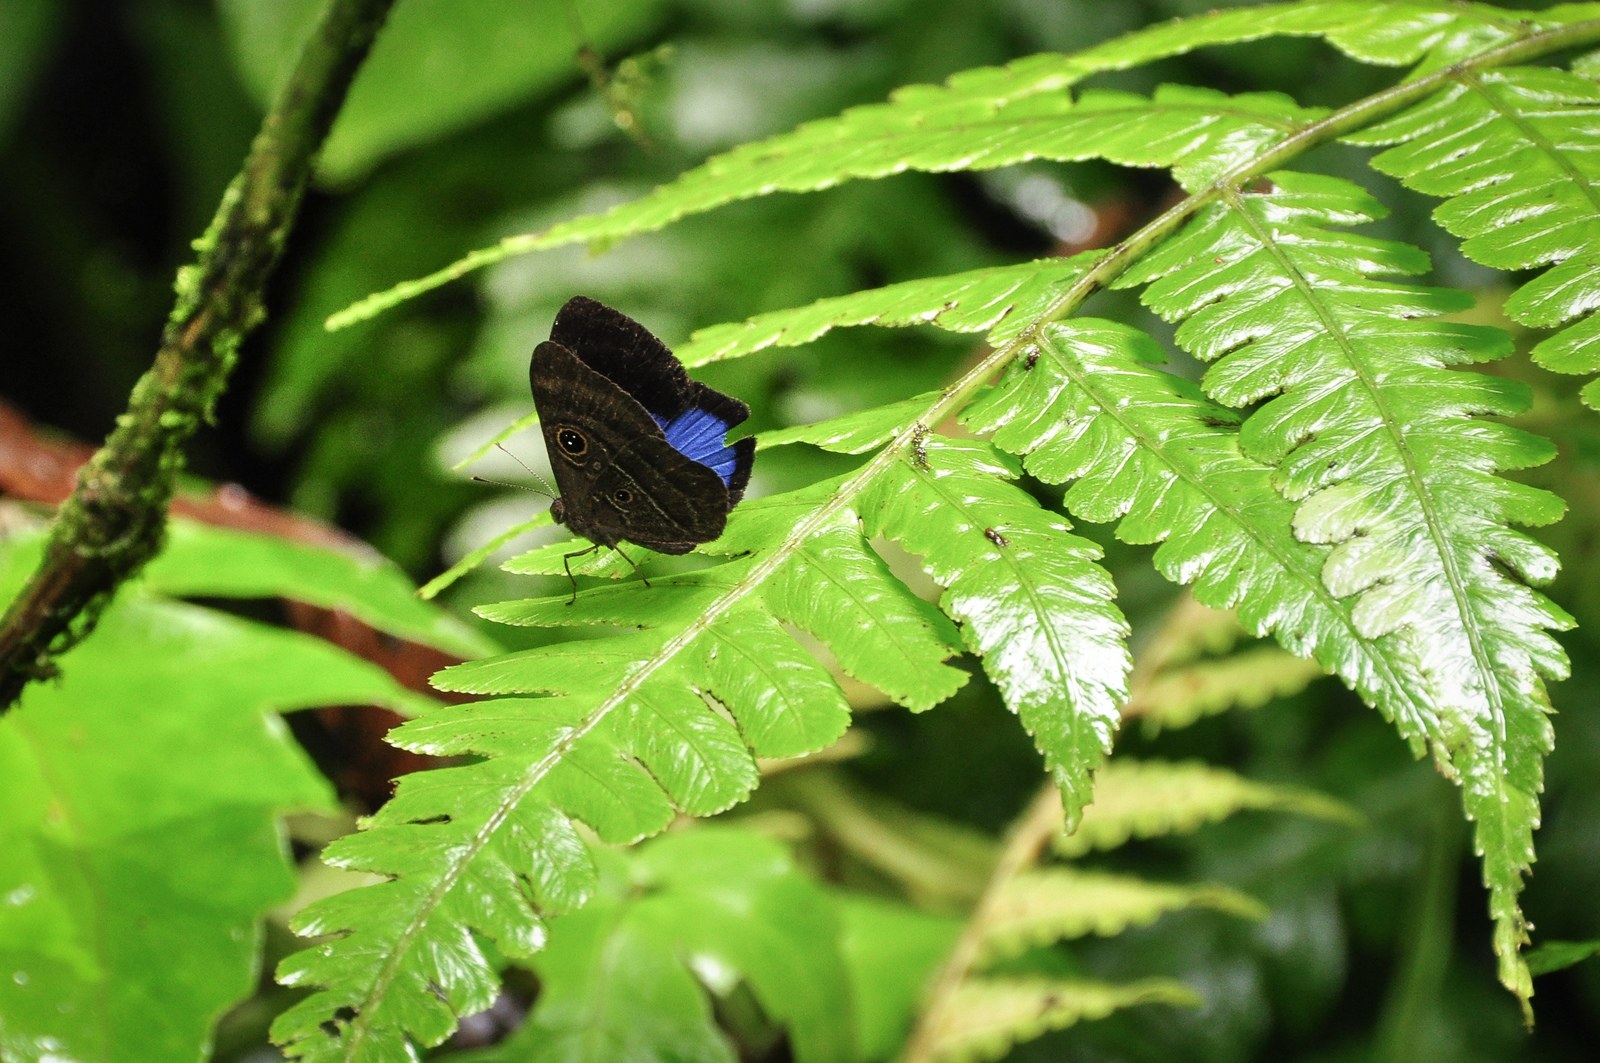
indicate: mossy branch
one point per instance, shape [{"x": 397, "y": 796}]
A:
[{"x": 114, "y": 520}]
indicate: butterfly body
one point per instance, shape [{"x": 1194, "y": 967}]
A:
[{"x": 637, "y": 448}]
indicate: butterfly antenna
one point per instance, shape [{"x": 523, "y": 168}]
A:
[
  {"x": 547, "y": 489},
  {"x": 507, "y": 483}
]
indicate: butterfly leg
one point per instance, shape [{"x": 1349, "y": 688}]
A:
[
  {"x": 566, "y": 564},
  {"x": 642, "y": 577}
]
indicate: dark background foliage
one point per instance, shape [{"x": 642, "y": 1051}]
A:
[{"x": 120, "y": 124}]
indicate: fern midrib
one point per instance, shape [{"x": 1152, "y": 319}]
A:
[
  {"x": 1442, "y": 546},
  {"x": 956, "y": 396},
  {"x": 1057, "y": 650},
  {"x": 1534, "y": 138}
]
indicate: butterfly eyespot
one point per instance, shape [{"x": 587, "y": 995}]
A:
[
  {"x": 622, "y": 496},
  {"x": 572, "y": 441}
]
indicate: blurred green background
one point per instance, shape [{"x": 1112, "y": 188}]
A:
[{"x": 121, "y": 122}]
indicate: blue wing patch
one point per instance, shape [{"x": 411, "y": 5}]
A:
[{"x": 701, "y": 435}]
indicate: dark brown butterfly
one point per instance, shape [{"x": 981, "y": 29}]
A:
[{"x": 638, "y": 449}]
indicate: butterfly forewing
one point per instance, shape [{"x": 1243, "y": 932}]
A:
[{"x": 618, "y": 476}]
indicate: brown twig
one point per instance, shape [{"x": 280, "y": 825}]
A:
[{"x": 114, "y": 520}]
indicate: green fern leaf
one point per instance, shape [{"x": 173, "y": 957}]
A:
[
  {"x": 1248, "y": 679},
  {"x": 990, "y": 1015},
  {"x": 1033, "y": 603},
  {"x": 1086, "y": 405},
  {"x": 1148, "y": 799},
  {"x": 997, "y": 300},
  {"x": 1375, "y": 441},
  {"x": 1512, "y": 153},
  {"x": 1044, "y": 906},
  {"x": 837, "y": 589}
]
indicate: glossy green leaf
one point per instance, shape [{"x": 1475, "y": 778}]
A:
[
  {"x": 836, "y": 588},
  {"x": 1384, "y": 451},
  {"x": 1029, "y": 595},
  {"x": 1088, "y": 406},
  {"x": 1513, "y": 154}
]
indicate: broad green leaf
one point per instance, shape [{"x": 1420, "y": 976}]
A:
[
  {"x": 437, "y": 65},
  {"x": 619, "y": 979},
  {"x": 737, "y": 901},
  {"x": 201, "y": 560},
  {"x": 140, "y": 826},
  {"x": 890, "y": 952}
]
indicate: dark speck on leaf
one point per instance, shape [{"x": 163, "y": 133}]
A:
[
  {"x": 995, "y": 537},
  {"x": 1032, "y": 359},
  {"x": 430, "y": 821},
  {"x": 919, "y": 446}
]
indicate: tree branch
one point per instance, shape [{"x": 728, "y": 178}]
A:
[{"x": 115, "y": 519}]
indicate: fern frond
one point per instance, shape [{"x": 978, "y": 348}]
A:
[
  {"x": 997, "y": 300},
  {"x": 990, "y": 1015},
  {"x": 1516, "y": 155},
  {"x": 1248, "y": 679},
  {"x": 640, "y": 724},
  {"x": 1149, "y": 799},
  {"x": 999, "y": 116},
  {"x": 1086, "y": 405},
  {"x": 619, "y": 981},
  {"x": 1033, "y": 603},
  {"x": 1048, "y": 905},
  {"x": 1377, "y": 443}
]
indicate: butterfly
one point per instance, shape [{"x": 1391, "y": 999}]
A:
[{"x": 639, "y": 450}]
